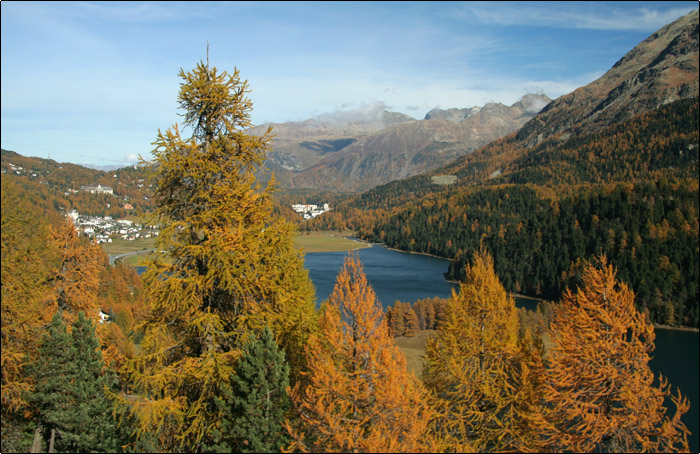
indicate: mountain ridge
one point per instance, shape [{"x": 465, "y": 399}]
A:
[{"x": 399, "y": 150}]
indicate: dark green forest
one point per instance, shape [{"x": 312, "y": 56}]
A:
[{"x": 629, "y": 191}]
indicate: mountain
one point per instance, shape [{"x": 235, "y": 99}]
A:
[
  {"x": 335, "y": 155},
  {"x": 661, "y": 71},
  {"x": 299, "y": 145},
  {"x": 608, "y": 170},
  {"x": 58, "y": 185}
]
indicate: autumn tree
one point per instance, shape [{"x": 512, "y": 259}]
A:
[
  {"x": 395, "y": 319},
  {"x": 27, "y": 261},
  {"x": 256, "y": 401},
  {"x": 410, "y": 321},
  {"x": 359, "y": 397},
  {"x": 224, "y": 265},
  {"x": 45, "y": 266},
  {"x": 75, "y": 278},
  {"x": 599, "y": 388},
  {"x": 484, "y": 375}
]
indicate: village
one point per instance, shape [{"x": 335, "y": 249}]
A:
[
  {"x": 310, "y": 211},
  {"x": 105, "y": 229}
]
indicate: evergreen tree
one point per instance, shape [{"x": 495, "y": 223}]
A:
[
  {"x": 599, "y": 388},
  {"x": 359, "y": 397},
  {"x": 411, "y": 322},
  {"x": 255, "y": 403},
  {"x": 225, "y": 265},
  {"x": 72, "y": 408},
  {"x": 484, "y": 375},
  {"x": 45, "y": 266}
]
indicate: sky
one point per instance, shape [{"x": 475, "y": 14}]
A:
[{"x": 93, "y": 82}]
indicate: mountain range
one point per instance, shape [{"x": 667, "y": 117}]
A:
[
  {"x": 661, "y": 70},
  {"x": 355, "y": 151}
]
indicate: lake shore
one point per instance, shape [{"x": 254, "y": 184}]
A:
[{"x": 329, "y": 241}]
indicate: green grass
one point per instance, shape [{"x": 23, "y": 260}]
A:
[
  {"x": 413, "y": 349},
  {"x": 327, "y": 242},
  {"x": 312, "y": 242},
  {"x": 119, "y": 246}
]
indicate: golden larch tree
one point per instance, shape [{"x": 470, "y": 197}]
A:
[
  {"x": 46, "y": 267},
  {"x": 225, "y": 265},
  {"x": 600, "y": 390},
  {"x": 484, "y": 375},
  {"x": 358, "y": 396},
  {"x": 27, "y": 262},
  {"x": 76, "y": 276}
]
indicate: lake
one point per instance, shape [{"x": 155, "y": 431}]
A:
[{"x": 408, "y": 277}]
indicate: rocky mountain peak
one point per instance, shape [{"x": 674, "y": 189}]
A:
[{"x": 661, "y": 69}]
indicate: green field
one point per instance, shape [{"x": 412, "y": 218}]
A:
[
  {"x": 327, "y": 242},
  {"x": 311, "y": 242},
  {"x": 119, "y": 246},
  {"x": 413, "y": 349}
]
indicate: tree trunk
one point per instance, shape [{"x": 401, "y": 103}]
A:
[
  {"x": 53, "y": 436},
  {"x": 36, "y": 445}
]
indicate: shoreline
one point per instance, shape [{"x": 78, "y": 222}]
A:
[
  {"x": 676, "y": 328},
  {"x": 417, "y": 253},
  {"x": 538, "y": 299}
]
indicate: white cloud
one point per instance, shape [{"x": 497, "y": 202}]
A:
[
  {"x": 594, "y": 16},
  {"x": 362, "y": 114}
]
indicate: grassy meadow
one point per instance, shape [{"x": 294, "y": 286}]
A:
[
  {"x": 307, "y": 242},
  {"x": 414, "y": 350},
  {"x": 327, "y": 242}
]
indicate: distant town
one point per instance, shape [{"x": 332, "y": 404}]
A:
[
  {"x": 104, "y": 229},
  {"x": 310, "y": 211}
]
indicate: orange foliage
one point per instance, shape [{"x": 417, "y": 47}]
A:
[
  {"x": 485, "y": 375},
  {"x": 600, "y": 388},
  {"x": 359, "y": 397}
]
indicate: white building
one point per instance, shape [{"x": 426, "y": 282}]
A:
[{"x": 97, "y": 189}]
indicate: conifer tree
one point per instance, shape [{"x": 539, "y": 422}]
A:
[
  {"x": 225, "y": 265},
  {"x": 485, "y": 377},
  {"x": 75, "y": 278},
  {"x": 395, "y": 319},
  {"x": 411, "y": 322},
  {"x": 70, "y": 400},
  {"x": 255, "y": 403},
  {"x": 27, "y": 259},
  {"x": 45, "y": 266},
  {"x": 599, "y": 387},
  {"x": 359, "y": 397}
]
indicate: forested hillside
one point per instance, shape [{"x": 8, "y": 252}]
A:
[
  {"x": 58, "y": 185},
  {"x": 649, "y": 231}
]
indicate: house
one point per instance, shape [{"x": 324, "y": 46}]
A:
[{"x": 97, "y": 189}]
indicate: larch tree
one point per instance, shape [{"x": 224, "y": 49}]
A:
[
  {"x": 358, "y": 396},
  {"x": 485, "y": 376},
  {"x": 45, "y": 267},
  {"x": 224, "y": 265},
  {"x": 600, "y": 390},
  {"x": 27, "y": 261},
  {"x": 75, "y": 278}
]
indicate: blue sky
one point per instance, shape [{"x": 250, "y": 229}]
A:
[{"x": 92, "y": 82}]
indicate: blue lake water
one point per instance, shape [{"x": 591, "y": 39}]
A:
[
  {"x": 407, "y": 277},
  {"x": 393, "y": 275}
]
